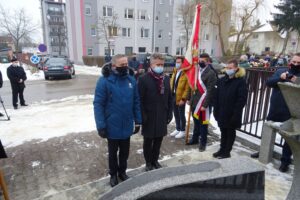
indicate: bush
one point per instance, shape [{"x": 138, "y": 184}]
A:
[{"x": 93, "y": 60}]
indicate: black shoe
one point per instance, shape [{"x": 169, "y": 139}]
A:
[
  {"x": 113, "y": 180},
  {"x": 202, "y": 147},
  {"x": 156, "y": 165},
  {"x": 255, "y": 155},
  {"x": 15, "y": 107},
  {"x": 123, "y": 176},
  {"x": 24, "y": 104},
  {"x": 148, "y": 167},
  {"x": 1, "y": 115},
  {"x": 191, "y": 142},
  {"x": 217, "y": 154},
  {"x": 222, "y": 156},
  {"x": 284, "y": 167}
]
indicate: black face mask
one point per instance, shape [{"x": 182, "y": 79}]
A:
[
  {"x": 123, "y": 71},
  {"x": 202, "y": 64},
  {"x": 295, "y": 68}
]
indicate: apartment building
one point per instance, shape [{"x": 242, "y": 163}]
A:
[{"x": 54, "y": 27}]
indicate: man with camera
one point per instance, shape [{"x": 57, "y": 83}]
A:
[{"x": 279, "y": 111}]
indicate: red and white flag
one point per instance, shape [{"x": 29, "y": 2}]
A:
[{"x": 192, "y": 72}]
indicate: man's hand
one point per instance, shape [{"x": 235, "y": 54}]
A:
[
  {"x": 283, "y": 76},
  {"x": 294, "y": 79},
  {"x": 202, "y": 109},
  {"x": 181, "y": 102},
  {"x": 102, "y": 133},
  {"x": 21, "y": 80},
  {"x": 137, "y": 128}
]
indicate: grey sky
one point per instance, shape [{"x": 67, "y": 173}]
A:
[{"x": 32, "y": 8}]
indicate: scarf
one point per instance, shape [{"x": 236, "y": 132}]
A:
[{"x": 159, "y": 78}]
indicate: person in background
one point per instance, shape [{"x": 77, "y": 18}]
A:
[
  {"x": 279, "y": 111},
  {"x": 107, "y": 58},
  {"x": 230, "y": 99},
  {"x": 156, "y": 105},
  {"x": 180, "y": 91},
  {"x": 17, "y": 77},
  {"x": 116, "y": 110},
  {"x": 244, "y": 62},
  {"x": 209, "y": 79},
  {"x": 133, "y": 63},
  {"x": 1, "y": 83}
]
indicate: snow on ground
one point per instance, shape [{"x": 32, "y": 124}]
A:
[
  {"x": 39, "y": 75},
  {"x": 89, "y": 70},
  {"x": 48, "y": 119}
]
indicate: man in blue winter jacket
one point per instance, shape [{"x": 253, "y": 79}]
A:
[
  {"x": 279, "y": 111},
  {"x": 117, "y": 109}
]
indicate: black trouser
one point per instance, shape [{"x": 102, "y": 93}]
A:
[
  {"x": 113, "y": 146},
  {"x": 227, "y": 140},
  {"x": 151, "y": 148},
  {"x": 286, "y": 154},
  {"x": 17, "y": 90}
]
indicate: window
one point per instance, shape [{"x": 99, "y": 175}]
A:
[
  {"x": 142, "y": 14},
  {"x": 126, "y": 32},
  {"x": 107, "y": 11},
  {"x": 93, "y": 31},
  {"x": 157, "y": 16},
  {"x": 179, "y": 18},
  {"x": 255, "y": 36},
  {"x": 90, "y": 51},
  {"x": 167, "y": 16},
  {"x": 142, "y": 49},
  {"x": 128, "y": 13},
  {"x": 144, "y": 33},
  {"x": 156, "y": 49},
  {"x": 128, "y": 50},
  {"x": 112, "y": 31},
  {"x": 206, "y": 37},
  {"x": 106, "y": 51},
  {"x": 161, "y": 1},
  {"x": 171, "y": 2},
  {"x": 166, "y": 49},
  {"x": 145, "y": 0},
  {"x": 160, "y": 34},
  {"x": 88, "y": 9}
]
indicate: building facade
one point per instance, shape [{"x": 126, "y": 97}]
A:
[{"x": 54, "y": 27}]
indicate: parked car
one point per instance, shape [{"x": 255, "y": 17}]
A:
[
  {"x": 58, "y": 67},
  {"x": 4, "y": 59},
  {"x": 143, "y": 59}
]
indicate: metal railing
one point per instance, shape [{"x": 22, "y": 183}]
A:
[{"x": 258, "y": 102}]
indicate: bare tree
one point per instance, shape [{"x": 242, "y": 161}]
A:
[
  {"x": 218, "y": 11},
  {"x": 18, "y": 25},
  {"x": 244, "y": 17},
  {"x": 107, "y": 27}
]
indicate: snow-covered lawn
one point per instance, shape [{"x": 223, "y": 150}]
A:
[
  {"x": 89, "y": 70},
  {"x": 48, "y": 119}
]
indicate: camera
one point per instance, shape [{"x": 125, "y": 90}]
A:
[{"x": 289, "y": 76}]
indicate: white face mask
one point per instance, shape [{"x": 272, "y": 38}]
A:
[
  {"x": 230, "y": 72},
  {"x": 15, "y": 64}
]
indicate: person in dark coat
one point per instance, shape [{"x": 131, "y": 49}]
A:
[
  {"x": 17, "y": 77},
  {"x": 116, "y": 110},
  {"x": 279, "y": 111},
  {"x": 156, "y": 106},
  {"x": 209, "y": 79},
  {"x": 230, "y": 99},
  {"x": 1, "y": 84}
]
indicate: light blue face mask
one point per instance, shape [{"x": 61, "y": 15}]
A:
[
  {"x": 158, "y": 69},
  {"x": 177, "y": 65},
  {"x": 230, "y": 72}
]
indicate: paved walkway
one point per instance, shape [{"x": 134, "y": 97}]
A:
[{"x": 35, "y": 169}]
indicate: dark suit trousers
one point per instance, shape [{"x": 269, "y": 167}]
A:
[
  {"x": 115, "y": 164},
  {"x": 17, "y": 91},
  {"x": 151, "y": 148},
  {"x": 227, "y": 140}
]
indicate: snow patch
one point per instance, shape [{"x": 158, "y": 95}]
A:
[
  {"x": 38, "y": 75},
  {"x": 35, "y": 164},
  {"x": 88, "y": 70}
]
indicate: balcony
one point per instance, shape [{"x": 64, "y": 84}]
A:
[
  {"x": 56, "y": 23},
  {"x": 57, "y": 13},
  {"x": 57, "y": 44}
]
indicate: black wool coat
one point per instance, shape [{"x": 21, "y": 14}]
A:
[
  {"x": 156, "y": 108},
  {"x": 15, "y": 74},
  {"x": 230, "y": 99}
]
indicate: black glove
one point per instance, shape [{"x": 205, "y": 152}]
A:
[
  {"x": 102, "y": 133},
  {"x": 137, "y": 128}
]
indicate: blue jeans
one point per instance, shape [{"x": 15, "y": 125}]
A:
[{"x": 179, "y": 114}]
